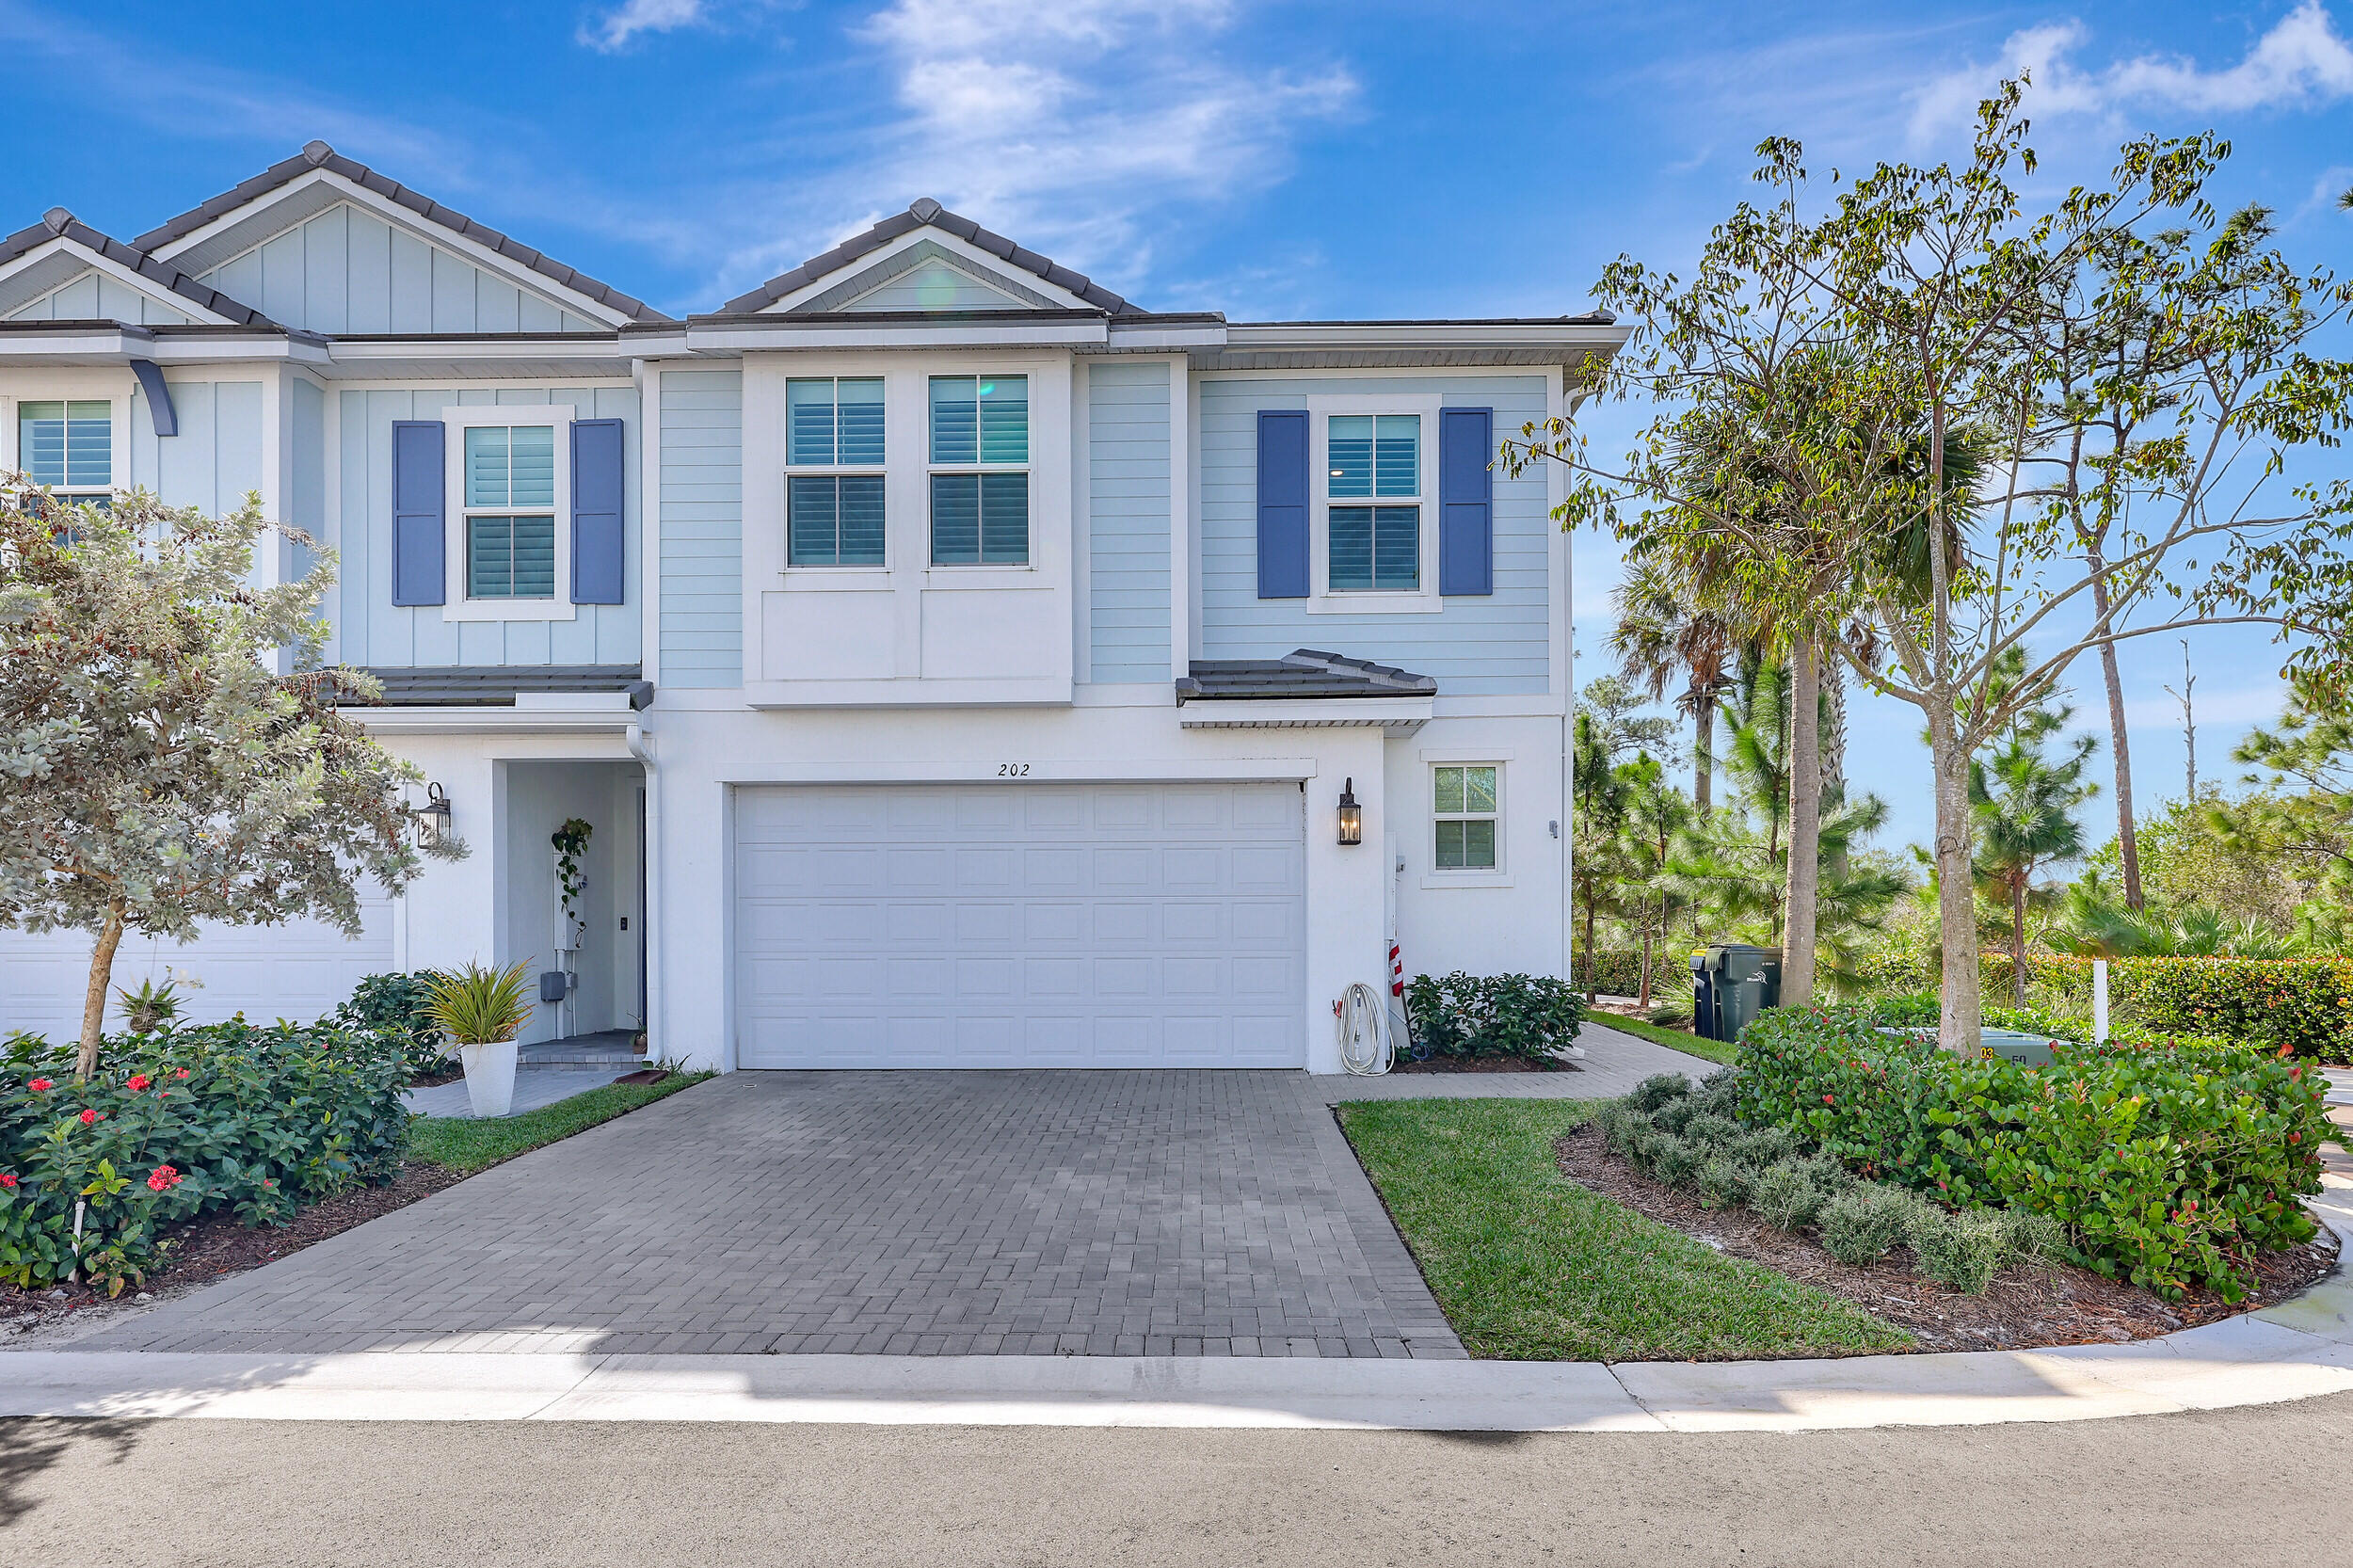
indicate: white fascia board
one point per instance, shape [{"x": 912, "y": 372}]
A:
[
  {"x": 963, "y": 250},
  {"x": 573, "y": 345},
  {"x": 1149, "y": 338},
  {"x": 517, "y": 720},
  {"x": 817, "y": 332},
  {"x": 263, "y": 346},
  {"x": 121, "y": 273},
  {"x": 75, "y": 342},
  {"x": 1425, "y": 334},
  {"x": 1394, "y": 715},
  {"x": 416, "y": 224}
]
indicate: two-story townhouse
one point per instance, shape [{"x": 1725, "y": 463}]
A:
[{"x": 958, "y": 664}]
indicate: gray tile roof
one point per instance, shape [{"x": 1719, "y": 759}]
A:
[
  {"x": 317, "y": 155},
  {"x": 496, "y": 685},
  {"x": 1306, "y": 673},
  {"x": 56, "y": 223},
  {"x": 926, "y": 214}
]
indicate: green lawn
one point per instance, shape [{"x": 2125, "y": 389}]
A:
[
  {"x": 1674, "y": 1039},
  {"x": 465, "y": 1145},
  {"x": 1531, "y": 1266}
]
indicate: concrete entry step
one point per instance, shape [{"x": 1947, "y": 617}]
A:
[{"x": 604, "y": 1047}]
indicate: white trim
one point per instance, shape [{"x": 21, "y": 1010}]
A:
[
  {"x": 1425, "y": 334},
  {"x": 1451, "y": 755},
  {"x": 1180, "y": 521},
  {"x": 964, "y": 250},
  {"x": 456, "y": 420},
  {"x": 1496, "y": 875},
  {"x": 106, "y": 387},
  {"x": 1322, "y": 599},
  {"x": 474, "y": 721},
  {"x": 791, "y": 332},
  {"x": 146, "y": 287},
  {"x": 1398, "y": 716},
  {"x": 816, "y": 575},
  {"x": 1173, "y": 770}
]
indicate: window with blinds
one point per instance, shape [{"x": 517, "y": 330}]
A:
[
  {"x": 67, "y": 447},
  {"x": 833, "y": 471},
  {"x": 510, "y": 511},
  {"x": 980, "y": 470},
  {"x": 1375, "y": 459}
]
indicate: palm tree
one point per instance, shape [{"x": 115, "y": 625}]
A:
[
  {"x": 2025, "y": 805},
  {"x": 1663, "y": 636}
]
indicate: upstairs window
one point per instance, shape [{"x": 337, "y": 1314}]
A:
[
  {"x": 980, "y": 470},
  {"x": 833, "y": 471},
  {"x": 1464, "y": 800},
  {"x": 1373, "y": 487},
  {"x": 510, "y": 511},
  {"x": 68, "y": 447}
]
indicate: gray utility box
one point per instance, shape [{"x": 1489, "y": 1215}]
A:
[
  {"x": 2027, "y": 1050},
  {"x": 1730, "y": 984}
]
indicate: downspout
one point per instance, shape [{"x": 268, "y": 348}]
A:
[{"x": 641, "y": 747}]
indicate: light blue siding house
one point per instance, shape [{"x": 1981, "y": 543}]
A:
[{"x": 958, "y": 664}]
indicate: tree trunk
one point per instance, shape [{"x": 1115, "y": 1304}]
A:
[
  {"x": 1834, "y": 754},
  {"x": 2127, "y": 841},
  {"x": 1703, "y": 750},
  {"x": 1644, "y": 997},
  {"x": 2018, "y": 941},
  {"x": 1962, "y": 1015},
  {"x": 102, "y": 974},
  {"x": 1805, "y": 823},
  {"x": 1592, "y": 909}
]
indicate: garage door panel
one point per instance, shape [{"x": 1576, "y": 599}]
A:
[{"x": 1120, "y": 925}]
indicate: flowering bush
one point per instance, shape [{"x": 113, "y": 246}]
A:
[
  {"x": 2167, "y": 1167},
  {"x": 396, "y": 1004},
  {"x": 180, "y": 1124}
]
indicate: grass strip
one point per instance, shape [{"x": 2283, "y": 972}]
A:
[
  {"x": 1531, "y": 1266},
  {"x": 1673, "y": 1039},
  {"x": 466, "y": 1145}
]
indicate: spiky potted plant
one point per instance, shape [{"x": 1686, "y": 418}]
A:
[{"x": 482, "y": 1010}]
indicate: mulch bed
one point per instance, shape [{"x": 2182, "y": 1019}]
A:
[
  {"x": 449, "y": 1072},
  {"x": 220, "y": 1244},
  {"x": 2025, "y": 1306},
  {"x": 1483, "y": 1064}
]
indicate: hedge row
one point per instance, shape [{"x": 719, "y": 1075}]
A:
[
  {"x": 2304, "y": 1003},
  {"x": 2168, "y": 1168},
  {"x": 223, "y": 1118},
  {"x": 1618, "y": 972}
]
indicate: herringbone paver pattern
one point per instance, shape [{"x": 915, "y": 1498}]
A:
[{"x": 927, "y": 1213}]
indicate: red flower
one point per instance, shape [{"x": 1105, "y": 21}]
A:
[
  {"x": 2295, "y": 1137},
  {"x": 137, "y": 1083},
  {"x": 163, "y": 1178},
  {"x": 7, "y": 1178},
  {"x": 39, "y": 1085},
  {"x": 1827, "y": 1100},
  {"x": 88, "y": 1118},
  {"x": 181, "y": 1073}
]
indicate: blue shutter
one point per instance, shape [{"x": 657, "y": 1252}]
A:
[
  {"x": 1466, "y": 507},
  {"x": 419, "y": 499},
  {"x": 596, "y": 567},
  {"x": 1282, "y": 504}
]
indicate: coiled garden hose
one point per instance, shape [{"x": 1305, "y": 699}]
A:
[{"x": 1366, "y": 1047}]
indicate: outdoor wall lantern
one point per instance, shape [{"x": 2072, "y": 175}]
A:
[
  {"x": 432, "y": 817},
  {"x": 1352, "y": 815}
]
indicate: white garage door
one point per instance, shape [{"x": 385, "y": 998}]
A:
[
  {"x": 299, "y": 970},
  {"x": 1020, "y": 925}
]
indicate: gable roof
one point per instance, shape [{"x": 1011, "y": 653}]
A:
[
  {"x": 927, "y": 213},
  {"x": 59, "y": 224},
  {"x": 319, "y": 156}
]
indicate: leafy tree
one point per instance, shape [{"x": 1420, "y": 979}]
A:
[
  {"x": 1955, "y": 310},
  {"x": 160, "y": 772},
  {"x": 2300, "y": 817}
]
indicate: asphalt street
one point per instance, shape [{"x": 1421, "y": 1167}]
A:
[{"x": 2223, "y": 1487}]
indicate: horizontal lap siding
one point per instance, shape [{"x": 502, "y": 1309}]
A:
[
  {"x": 1485, "y": 644},
  {"x": 375, "y": 631},
  {"x": 1128, "y": 505},
  {"x": 345, "y": 271},
  {"x": 702, "y": 528}
]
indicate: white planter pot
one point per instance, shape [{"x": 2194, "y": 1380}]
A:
[{"x": 490, "y": 1076}]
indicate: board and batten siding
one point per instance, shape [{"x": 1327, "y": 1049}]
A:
[
  {"x": 216, "y": 457},
  {"x": 345, "y": 271},
  {"x": 95, "y": 296},
  {"x": 702, "y": 527},
  {"x": 375, "y": 631},
  {"x": 1482, "y": 644},
  {"x": 1127, "y": 504}
]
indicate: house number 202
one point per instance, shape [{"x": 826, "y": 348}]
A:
[{"x": 1013, "y": 770}]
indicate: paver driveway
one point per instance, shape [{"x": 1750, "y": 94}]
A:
[
  {"x": 929, "y": 1213},
  {"x": 949, "y": 1213}
]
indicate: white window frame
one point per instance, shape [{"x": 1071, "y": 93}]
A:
[
  {"x": 455, "y": 422},
  {"x": 1028, "y": 470},
  {"x": 792, "y": 469},
  {"x": 117, "y": 429},
  {"x": 1322, "y": 599},
  {"x": 1496, "y": 875}
]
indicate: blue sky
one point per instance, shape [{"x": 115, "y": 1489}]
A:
[{"x": 1271, "y": 161}]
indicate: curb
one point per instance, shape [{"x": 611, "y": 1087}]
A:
[{"x": 2300, "y": 1349}]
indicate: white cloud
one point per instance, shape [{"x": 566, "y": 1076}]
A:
[
  {"x": 2303, "y": 60},
  {"x": 615, "y": 29},
  {"x": 1074, "y": 127}
]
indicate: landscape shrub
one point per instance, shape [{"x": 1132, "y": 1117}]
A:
[
  {"x": 187, "y": 1122},
  {"x": 1504, "y": 1015},
  {"x": 2166, "y": 1168},
  {"x": 1726, "y": 1182},
  {"x": 1961, "y": 1252},
  {"x": 1658, "y": 1090},
  {"x": 396, "y": 1003},
  {"x": 1863, "y": 1223},
  {"x": 1787, "y": 1196},
  {"x": 1673, "y": 1160},
  {"x": 1618, "y": 972}
]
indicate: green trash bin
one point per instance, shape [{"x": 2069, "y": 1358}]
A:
[{"x": 1740, "y": 982}]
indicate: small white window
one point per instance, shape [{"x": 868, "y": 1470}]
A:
[
  {"x": 510, "y": 499},
  {"x": 1465, "y": 805},
  {"x": 69, "y": 447}
]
